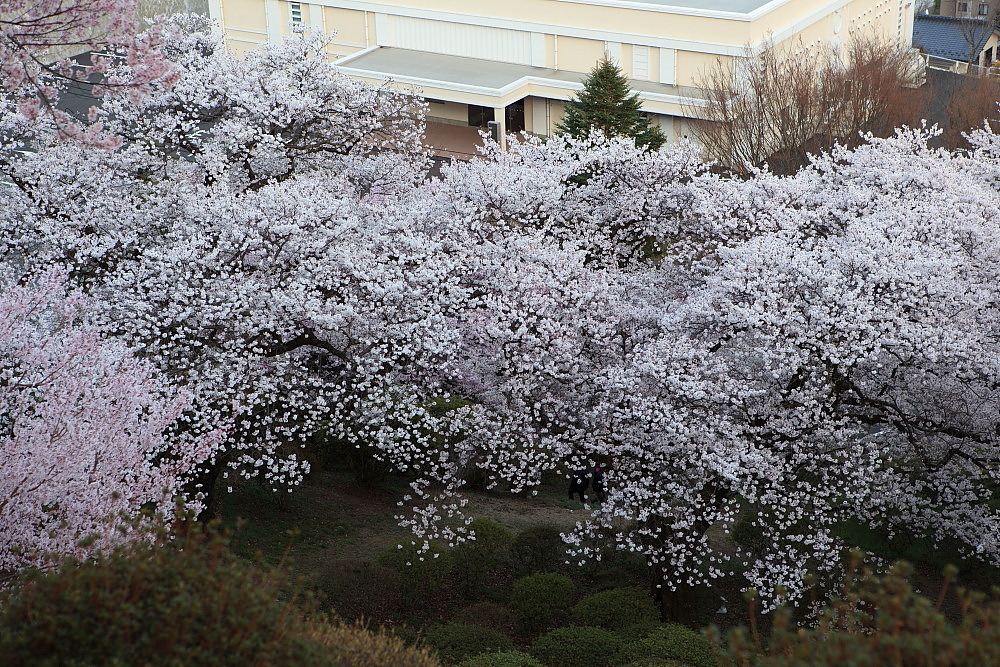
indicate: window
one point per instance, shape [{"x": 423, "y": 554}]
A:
[
  {"x": 296, "y": 10},
  {"x": 984, "y": 9},
  {"x": 963, "y": 6}
]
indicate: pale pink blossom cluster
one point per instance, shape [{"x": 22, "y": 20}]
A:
[
  {"x": 84, "y": 432},
  {"x": 38, "y": 38}
]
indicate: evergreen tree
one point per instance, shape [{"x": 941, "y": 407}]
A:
[{"x": 605, "y": 103}]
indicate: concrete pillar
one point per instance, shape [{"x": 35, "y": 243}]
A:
[
  {"x": 215, "y": 12},
  {"x": 500, "y": 116},
  {"x": 539, "y": 115}
]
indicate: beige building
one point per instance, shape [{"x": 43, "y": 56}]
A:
[
  {"x": 987, "y": 9},
  {"x": 517, "y": 61}
]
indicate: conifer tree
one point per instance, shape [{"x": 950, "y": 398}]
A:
[{"x": 605, "y": 103}]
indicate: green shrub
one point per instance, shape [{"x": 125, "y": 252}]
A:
[
  {"x": 455, "y": 642},
  {"x": 615, "y": 569},
  {"x": 504, "y": 659},
  {"x": 540, "y": 599},
  {"x": 422, "y": 575},
  {"x": 538, "y": 549},
  {"x": 356, "y": 589},
  {"x": 408, "y": 634},
  {"x": 671, "y": 642},
  {"x": 634, "y": 633},
  {"x": 487, "y": 614},
  {"x": 189, "y": 602},
  {"x": 577, "y": 646},
  {"x": 473, "y": 559},
  {"x": 492, "y": 539},
  {"x": 616, "y": 609}
]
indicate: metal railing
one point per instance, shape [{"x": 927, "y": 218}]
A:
[{"x": 959, "y": 67}]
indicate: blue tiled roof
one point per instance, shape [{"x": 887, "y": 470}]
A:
[{"x": 950, "y": 37}]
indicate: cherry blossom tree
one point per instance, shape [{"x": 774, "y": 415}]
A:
[
  {"x": 85, "y": 432},
  {"x": 838, "y": 363},
  {"x": 815, "y": 350},
  {"x": 274, "y": 112},
  {"x": 245, "y": 241},
  {"x": 797, "y": 351},
  {"x": 38, "y": 38}
]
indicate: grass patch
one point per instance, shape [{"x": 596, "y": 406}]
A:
[
  {"x": 923, "y": 552},
  {"x": 275, "y": 525}
]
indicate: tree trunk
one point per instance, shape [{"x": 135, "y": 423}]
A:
[
  {"x": 679, "y": 606},
  {"x": 203, "y": 482}
]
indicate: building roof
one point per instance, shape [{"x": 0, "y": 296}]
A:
[
  {"x": 486, "y": 77},
  {"x": 709, "y": 7},
  {"x": 949, "y": 37}
]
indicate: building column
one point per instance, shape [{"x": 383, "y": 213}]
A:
[
  {"x": 500, "y": 116},
  {"x": 539, "y": 115},
  {"x": 215, "y": 12},
  {"x": 317, "y": 22}
]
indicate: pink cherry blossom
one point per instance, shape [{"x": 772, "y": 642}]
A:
[{"x": 85, "y": 438}]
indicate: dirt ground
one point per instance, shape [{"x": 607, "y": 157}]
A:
[{"x": 331, "y": 517}]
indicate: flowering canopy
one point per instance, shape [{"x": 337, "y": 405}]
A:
[
  {"x": 805, "y": 350},
  {"x": 38, "y": 38}
]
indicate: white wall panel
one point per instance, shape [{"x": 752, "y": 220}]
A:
[
  {"x": 472, "y": 41},
  {"x": 272, "y": 12},
  {"x": 668, "y": 66},
  {"x": 316, "y": 19},
  {"x": 640, "y": 62},
  {"x": 538, "y": 49},
  {"x": 539, "y": 115},
  {"x": 382, "y": 30},
  {"x": 613, "y": 50}
]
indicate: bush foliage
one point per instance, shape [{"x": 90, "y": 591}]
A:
[
  {"x": 538, "y": 549},
  {"x": 421, "y": 574},
  {"x": 671, "y": 643},
  {"x": 881, "y": 620},
  {"x": 502, "y": 659},
  {"x": 356, "y": 589},
  {"x": 616, "y": 609},
  {"x": 357, "y": 646},
  {"x": 489, "y": 615},
  {"x": 474, "y": 559},
  {"x": 540, "y": 599},
  {"x": 576, "y": 646},
  {"x": 188, "y": 602},
  {"x": 455, "y": 642}
]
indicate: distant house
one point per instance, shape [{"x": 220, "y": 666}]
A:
[
  {"x": 967, "y": 40},
  {"x": 515, "y": 62},
  {"x": 986, "y": 9}
]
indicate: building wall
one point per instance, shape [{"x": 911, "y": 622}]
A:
[
  {"x": 447, "y": 112},
  {"x": 651, "y": 44},
  {"x": 559, "y": 34},
  {"x": 974, "y": 8},
  {"x": 989, "y": 54},
  {"x": 148, "y": 9}
]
